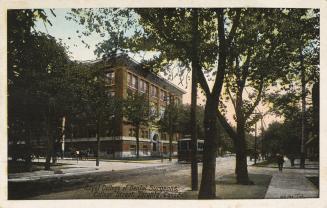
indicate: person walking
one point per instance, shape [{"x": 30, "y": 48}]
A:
[{"x": 280, "y": 161}]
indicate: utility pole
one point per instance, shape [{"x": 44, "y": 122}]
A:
[
  {"x": 63, "y": 126},
  {"x": 97, "y": 161},
  {"x": 303, "y": 117},
  {"x": 262, "y": 145},
  {"x": 170, "y": 129},
  {"x": 255, "y": 144},
  {"x": 195, "y": 65}
]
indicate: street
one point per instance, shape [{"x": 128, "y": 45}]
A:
[{"x": 153, "y": 179}]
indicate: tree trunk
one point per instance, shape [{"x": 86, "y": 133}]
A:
[
  {"x": 195, "y": 68},
  {"x": 49, "y": 145},
  {"x": 241, "y": 169},
  {"x": 137, "y": 141},
  {"x": 170, "y": 145},
  {"x": 54, "y": 153},
  {"x": 28, "y": 156},
  {"x": 208, "y": 184},
  {"x": 97, "y": 163}
]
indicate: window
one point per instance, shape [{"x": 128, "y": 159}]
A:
[
  {"x": 153, "y": 109},
  {"x": 110, "y": 150},
  {"x": 200, "y": 146},
  {"x": 129, "y": 79},
  {"x": 163, "y": 95},
  {"x": 132, "y": 148},
  {"x": 163, "y": 135},
  {"x": 130, "y": 92},
  {"x": 162, "y": 111},
  {"x": 111, "y": 93},
  {"x": 143, "y": 86},
  {"x": 108, "y": 133},
  {"x": 184, "y": 145},
  {"x": 177, "y": 100},
  {"x": 145, "y": 150},
  {"x": 167, "y": 98},
  {"x": 178, "y": 136},
  {"x": 154, "y": 91},
  {"x": 91, "y": 131},
  {"x": 164, "y": 149},
  {"x": 110, "y": 76},
  {"x": 132, "y": 132},
  {"x": 132, "y": 80},
  {"x": 154, "y": 147},
  {"x": 144, "y": 134},
  {"x": 146, "y": 87}
]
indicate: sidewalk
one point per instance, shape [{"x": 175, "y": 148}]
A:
[
  {"x": 84, "y": 167},
  {"x": 292, "y": 182}
]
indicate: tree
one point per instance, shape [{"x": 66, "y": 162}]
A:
[
  {"x": 252, "y": 67},
  {"x": 282, "y": 138},
  {"x": 303, "y": 42},
  {"x": 163, "y": 31},
  {"x": 35, "y": 65},
  {"x": 137, "y": 111},
  {"x": 174, "y": 41},
  {"x": 306, "y": 43},
  {"x": 91, "y": 100},
  {"x": 229, "y": 50},
  {"x": 170, "y": 122}
]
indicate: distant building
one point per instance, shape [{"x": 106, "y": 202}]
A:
[{"x": 125, "y": 76}]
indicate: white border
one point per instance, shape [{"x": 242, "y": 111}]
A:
[{"x": 5, "y": 4}]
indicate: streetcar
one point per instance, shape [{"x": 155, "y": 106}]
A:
[{"x": 185, "y": 151}]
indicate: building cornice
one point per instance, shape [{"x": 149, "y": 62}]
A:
[{"x": 138, "y": 68}]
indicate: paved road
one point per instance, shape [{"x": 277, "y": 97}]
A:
[
  {"x": 160, "y": 175},
  {"x": 122, "y": 179}
]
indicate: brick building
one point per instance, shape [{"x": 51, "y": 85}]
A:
[{"x": 125, "y": 76}]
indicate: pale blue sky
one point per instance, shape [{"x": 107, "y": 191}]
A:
[{"x": 64, "y": 29}]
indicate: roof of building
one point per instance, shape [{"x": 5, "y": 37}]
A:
[{"x": 142, "y": 70}]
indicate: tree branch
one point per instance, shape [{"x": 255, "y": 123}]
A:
[
  {"x": 230, "y": 131},
  {"x": 236, "y": 21},
  {"x": 230, "y": 96},
  {"x": 245, "y": 72},
  {"x": 203, "y": 82},
  {"x": 221, "y": 55},
  {"x": 257, "y": 101}
]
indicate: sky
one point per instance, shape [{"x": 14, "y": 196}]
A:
[{"x": 65, "y": 31}]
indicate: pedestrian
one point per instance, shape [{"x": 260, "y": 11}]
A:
[{"x": 280, "y": 161}]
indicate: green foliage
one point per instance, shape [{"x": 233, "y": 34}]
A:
[
  {"x": 170, "y": 118},
  {"x": 283, "y": 138},
  {"x": 137, "y": 109},
  {"x": 36, "y": 64}
]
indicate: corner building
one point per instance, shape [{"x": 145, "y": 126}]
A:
[{"x": 125, "y": 76}]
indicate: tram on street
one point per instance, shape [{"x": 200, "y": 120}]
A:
[{"x": 185, "y": 151}]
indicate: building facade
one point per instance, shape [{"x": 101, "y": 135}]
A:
[{"x": 125, "y": 76}]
